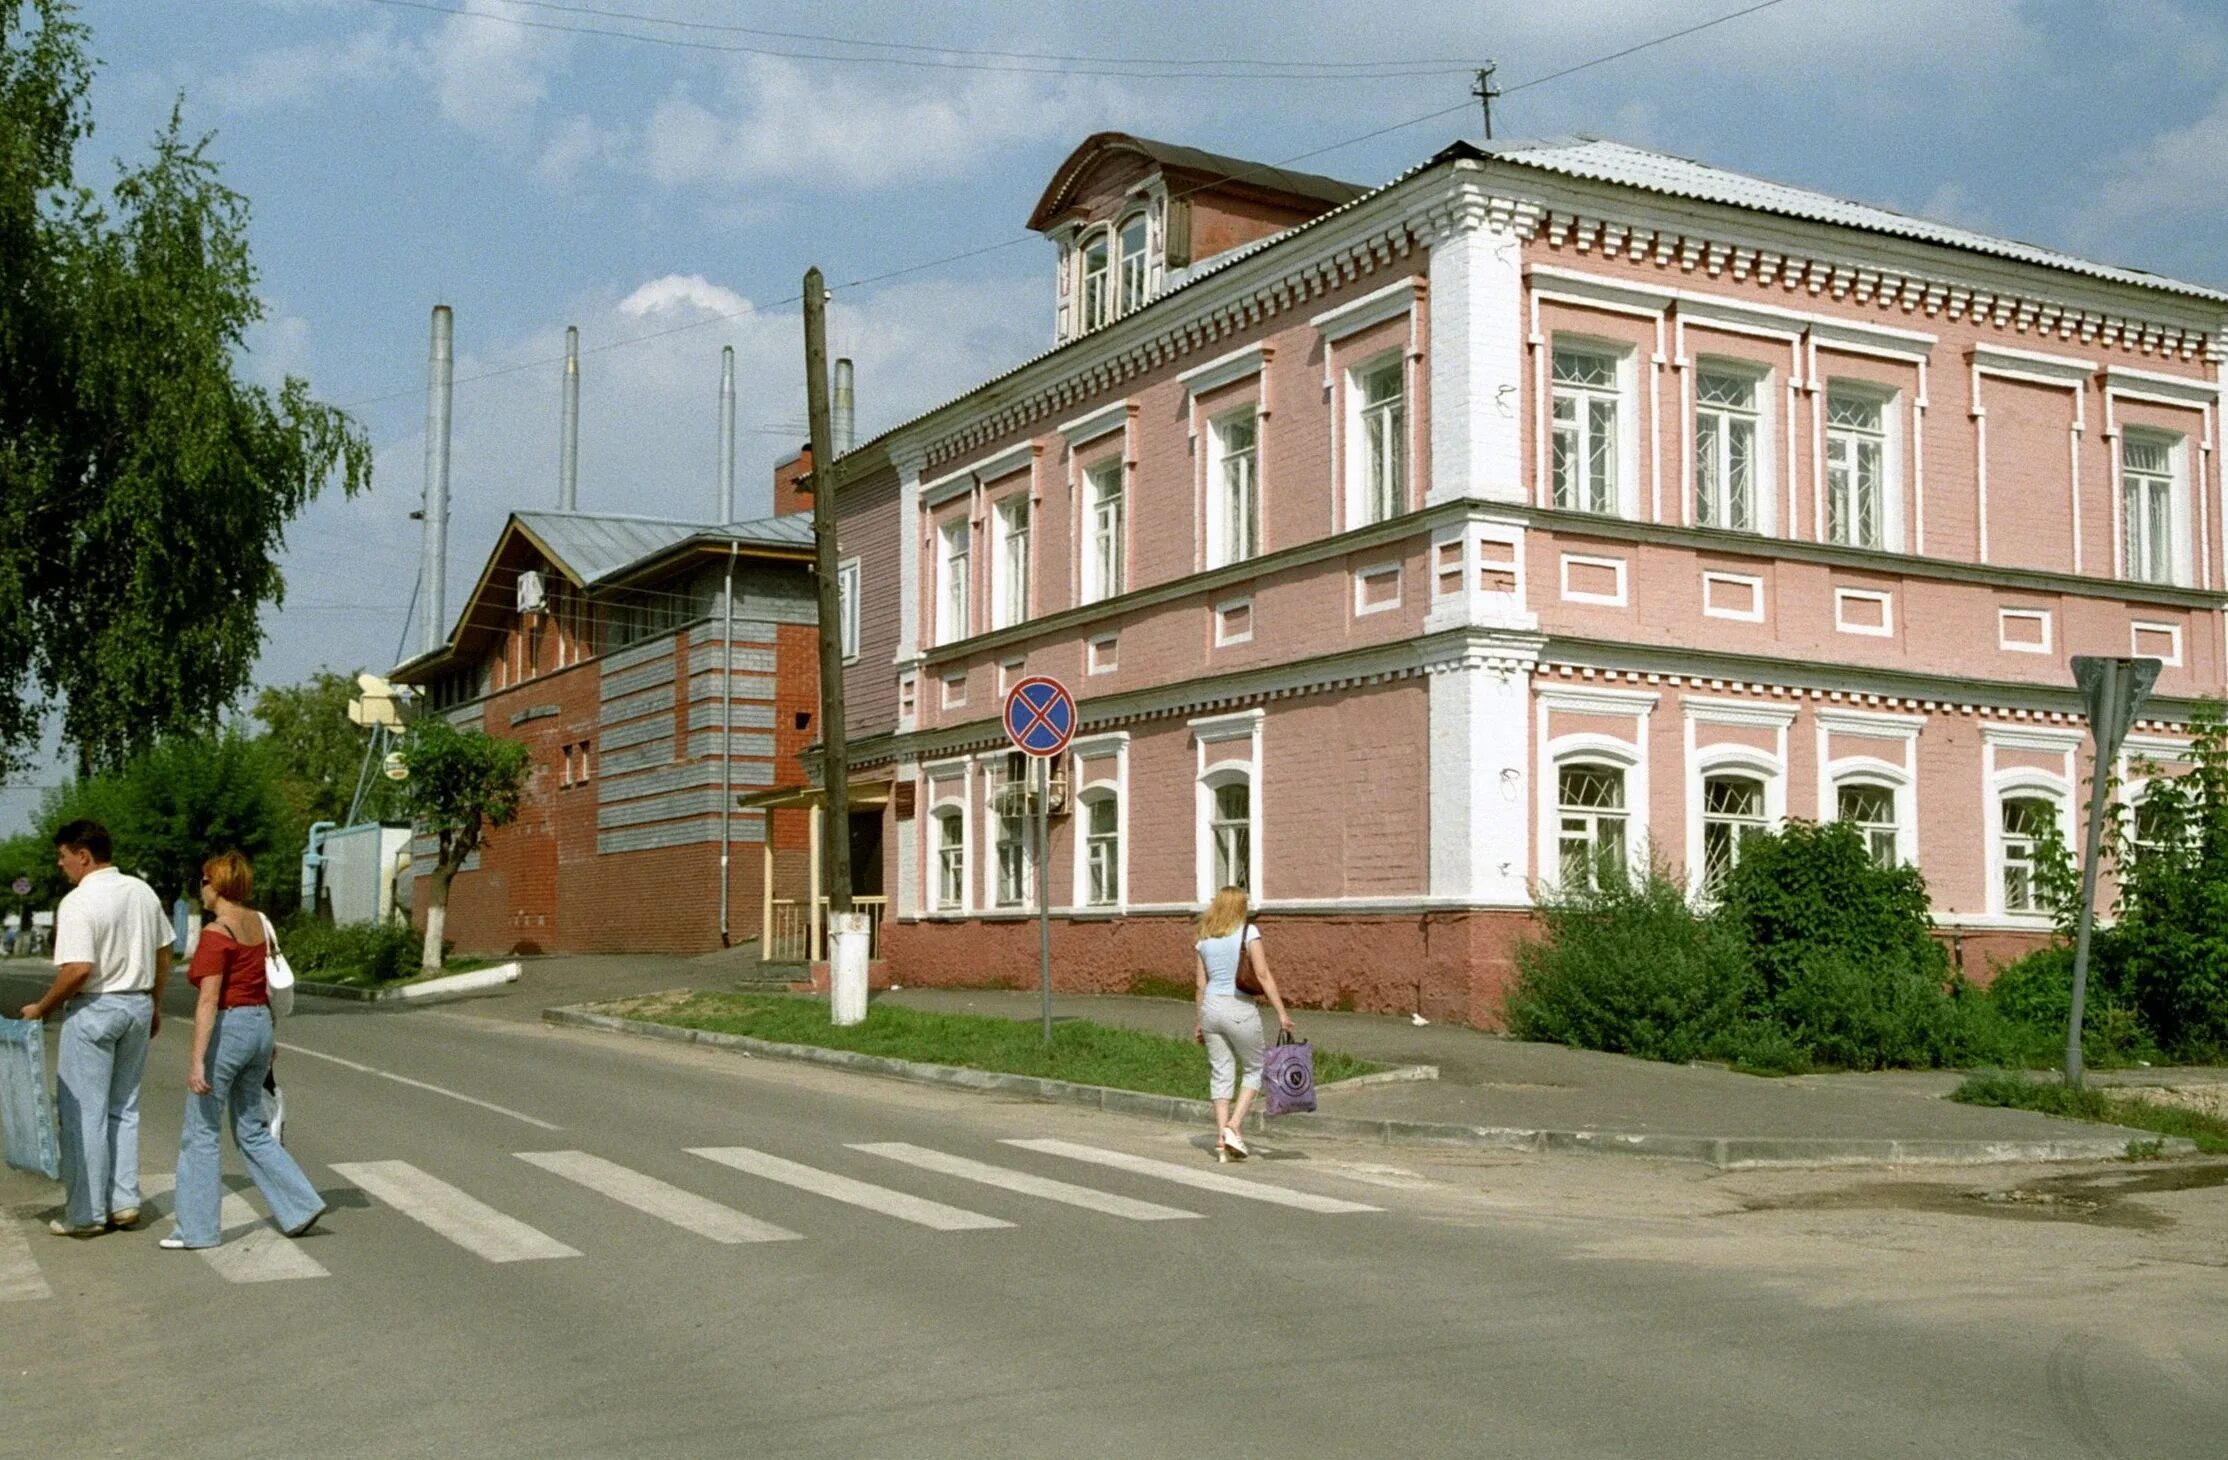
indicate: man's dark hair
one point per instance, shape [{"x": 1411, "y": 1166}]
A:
[{"x": 86, "y": 836}]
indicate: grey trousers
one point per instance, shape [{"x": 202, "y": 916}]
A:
[{"x": 1233, "y": 1030}]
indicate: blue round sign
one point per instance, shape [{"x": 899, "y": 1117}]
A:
[{"x": 1040, "y": 716}]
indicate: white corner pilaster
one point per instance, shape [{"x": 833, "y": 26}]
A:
[
  {"x": 1480, "y": 797},
  {"x": 1477, "y": 356}
]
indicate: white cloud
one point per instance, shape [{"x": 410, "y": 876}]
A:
[
  {"x": 490, "y": 78},
  {"x": 2150, "y": 192},
  {"x": 574, "y": 147},
  {"x": 777, "y": 120},
  {"x": 278, "y": 346},
  {"x": 291, "y": 75},
  {"x": 649, "y": 431}
]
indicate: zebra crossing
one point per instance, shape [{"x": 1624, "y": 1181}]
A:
[{"x": 255, "y": 1252}]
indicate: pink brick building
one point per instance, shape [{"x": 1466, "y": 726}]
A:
[{"x": 1406, "y": 547}]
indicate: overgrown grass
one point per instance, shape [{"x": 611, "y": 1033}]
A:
[
  {"x": 1087, "y": 1053},
  {"x": 2052, "y": 1097},
  {"x": 361, "y": 955}
]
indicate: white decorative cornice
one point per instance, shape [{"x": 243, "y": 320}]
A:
[
  {"x": 1093, "y": 424},
  {"x": 1708, "y": 711},
  {"x": 1375, "y": 307},
  {"x": 2151, "y": 385},
  {"x": 1225, "y": 369},
  {"x": 2062, "y": 370}
]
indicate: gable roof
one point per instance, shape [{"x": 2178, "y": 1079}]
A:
[
  {"x": 1234, "y": 171},
  {"x": 1598, "y": 159}
]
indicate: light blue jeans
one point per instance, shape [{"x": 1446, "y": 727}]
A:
[
  {"x": 239, "y": 1053},
  {"x": 97, "y": 1072}
]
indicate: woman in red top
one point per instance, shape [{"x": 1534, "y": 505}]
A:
[{"x": 231, "y": 1053}]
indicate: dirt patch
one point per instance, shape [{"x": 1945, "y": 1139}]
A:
[
  {"x": 2098, "y": 1199},
  {"x": 2209, "y": 1100}
]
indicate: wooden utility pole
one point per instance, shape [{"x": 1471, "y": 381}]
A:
[{"x": 835, "y": 760}]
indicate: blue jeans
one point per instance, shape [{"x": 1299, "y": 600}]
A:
[
  {"x": 239, "y": 1054},
  {"x": 103, "y": 1055}
]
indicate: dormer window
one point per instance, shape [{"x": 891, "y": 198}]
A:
[
  {"x": 1097, "y": 280},
  {"x": 1133, "y": 263}
]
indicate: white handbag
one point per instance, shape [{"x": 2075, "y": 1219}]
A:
[{"x": 278, "y": 976}]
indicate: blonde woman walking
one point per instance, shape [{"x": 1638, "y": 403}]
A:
[{"x": 1229, "y": 1024}]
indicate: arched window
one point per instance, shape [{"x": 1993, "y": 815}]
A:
[
  {"x": 1590, "y": 804},
  {"x": 1732, "y": 811},
  {"x": 1133, "y": 263},
  {"x": 1102, "y": 849},
  {"x": 1230, "y": 833},
  {"x": 2026, "y": 822},
  {"x": 1870, "y": 808},
  {"x": 1098, "y": 293},
  {"x": 951, "y": 859}
]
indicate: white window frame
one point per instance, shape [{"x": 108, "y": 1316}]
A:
[
  {"x": 1884, "y": 629},
  {"x": 1763, "y": 494},
  {"x": 1615, "y": 598},
  {"x": 954, "y": 591},
  {"x": 1724, "y": 759},
  {"x": 1886, "y": 401},
  {"x": 1092, "y": 312},
  {"x": 947, "y": 796},
  {"x": 2018, "y": 784},
  {"x": 847, "y": 607},
  {"x": 2005, "y": 617},
  {"x": 2136, "y": 628},
  {"x": 1105, "y": 530},
  {"x": 1374, "y": 572},
  {"x": 1220, "y": 551},
  {"x": 1603, "y": 752},
  {"x": 1878, "y": 725},
  {"x": 1098, "y": 769},
  {"x": 1012, "y": 519},
  {"x": 1126, "y": 296},
  {"x": 1630, "y": 755},
  {"x": 1623, "y": 393},
  {"x": 1103, "y": 654},
  {"x": 1218, "y": 730},
  {"x": 1222, "y": 611},
  {"x": 1753, "y": 614},
  {"x": 1365, "y": 504},
  {"x": 1762, "y": 822},
  {"x": 1876, "y": 775},
  {"x": 2174, "y": 570}
]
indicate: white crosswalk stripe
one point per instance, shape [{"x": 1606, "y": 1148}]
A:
[
  {"x": 471, "y": 1224},
  {"x": 252, "y": 1250},
  {"x": 844, "y": 1189},
  {"x": 20, "y": 1279},
  {"x": 668, "y": 1203},
  {"x": 1213, "y": 1181},
  {"x": 1008, "y": 1179}
]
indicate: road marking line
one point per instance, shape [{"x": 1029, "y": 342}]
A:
[
  {"x": 1010, "y": 1180},
  {"x": 471, "y": 1224},
  {"x": 668, "y": 1203},
  {"x": 260, "y": 1254},
  {"x": 419, "y": 1085},
  {"x": 1186, "y": 1176},
  {"x": 842, "y": 1188},
  {"x": 20, "y": 1279}
]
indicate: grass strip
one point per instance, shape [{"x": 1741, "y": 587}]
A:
[
  {"x": 2052, "y": 1097},
  {"x": 1081, "y": 1051}
]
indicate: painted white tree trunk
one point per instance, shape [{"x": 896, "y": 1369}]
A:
[{"x": 436, "y": 915}]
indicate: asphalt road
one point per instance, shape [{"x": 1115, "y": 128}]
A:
[{"x": 475, "y": 1293}]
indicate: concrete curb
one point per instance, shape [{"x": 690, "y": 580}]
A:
[
  {"x": 432, "y": 991},
  {"x": 1730, "y": 1152}
]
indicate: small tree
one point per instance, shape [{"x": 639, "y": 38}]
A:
[{"x": 461, "y": 783}]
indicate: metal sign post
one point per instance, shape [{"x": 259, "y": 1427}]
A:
[
  {"x": 1040, "y": 721},
  {"x": 2113, "y": 690}
]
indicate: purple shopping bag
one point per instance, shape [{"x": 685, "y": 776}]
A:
[{"x": 1288, "y": 1073}]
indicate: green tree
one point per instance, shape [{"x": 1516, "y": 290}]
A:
[
  {"x": 319, "y": 752},
  {"x": 144, "y": 488},
  {"x": 461, "y": 783},
  {"x": 180, "y": 801}
]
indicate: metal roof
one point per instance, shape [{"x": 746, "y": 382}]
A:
[
  {"x": 1601, "y": 160},
  {"x": 597, "y": 546},
  {"x": 1235, "y": 171}
]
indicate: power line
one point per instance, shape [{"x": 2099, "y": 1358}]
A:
[
  {"x": 978, "y": 51},
  {"x": 1125, "y": 70},
  {"x": 1259, "y": 169}
]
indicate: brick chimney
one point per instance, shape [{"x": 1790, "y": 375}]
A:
[{"x": 788, "y": 497}]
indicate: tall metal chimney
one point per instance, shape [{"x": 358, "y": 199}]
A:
[
  {"x": 568, "y": 447},
  {"x": 845, "y": 415},
  {"x": 726, "y": 434},
  {"x": 440, "y": 387}
]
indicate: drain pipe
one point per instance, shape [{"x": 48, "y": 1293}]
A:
[{"x": 726, "y": 737}]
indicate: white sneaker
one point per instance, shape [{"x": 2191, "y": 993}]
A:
[
  {"x": 1234, "y": 1143},
  {"x": 173, "y": 1243}
]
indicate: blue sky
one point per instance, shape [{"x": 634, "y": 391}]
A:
[{"x": 397, "y": 156}]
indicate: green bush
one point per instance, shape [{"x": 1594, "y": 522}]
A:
[
  {"x": 2034, "y": 994},
  {"x": 368, "y": 953},
  {"x": 1631, "y": 968}
]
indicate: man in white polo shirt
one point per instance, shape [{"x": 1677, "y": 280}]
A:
[{"x": 111, "y": 958}]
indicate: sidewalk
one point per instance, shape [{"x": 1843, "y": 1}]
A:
[{"x": 1487, "y": 1082}]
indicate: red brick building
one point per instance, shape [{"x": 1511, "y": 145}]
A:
[{"x": 595, "y": 639}]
